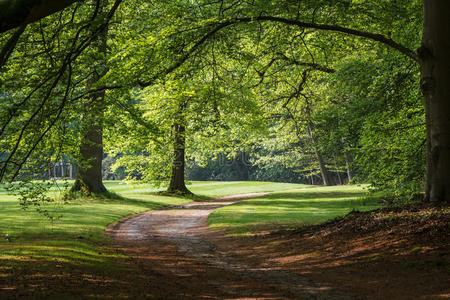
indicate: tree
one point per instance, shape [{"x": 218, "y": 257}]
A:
[
  {"x": 435, "y": 77},
  {"x": 40, "y": 104},
  {"x": 89, "y": 172},
  {"x": 193, "y": 33},
  {"x": 433, "y": 59},
  {"x": 177, "y": 184}
]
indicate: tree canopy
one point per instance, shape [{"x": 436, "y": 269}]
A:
[{"x": 325, "y": 91}]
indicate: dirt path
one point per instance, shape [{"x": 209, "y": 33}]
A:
[{"x": 179, "y": 257}]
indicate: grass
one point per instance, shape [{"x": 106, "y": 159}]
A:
[
  {"x": 291, "y": 208},
  {"x": 75, "y": 238},
  {"x": 76, "y": 235},
  {"x": 75, "y": 244}
]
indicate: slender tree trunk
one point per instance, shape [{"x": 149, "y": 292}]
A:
[
  {"x": 312, "y": 177},
  {"x": 323, "y": 169},
  {"x": 62, "y": 169},
  {"x": 177, "y": 184},
  {"x": 337, "y": 171},
  {"x": 348, "y": 161},
  {"x": 435, "y": 83}
]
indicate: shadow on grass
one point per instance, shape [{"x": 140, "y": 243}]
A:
[
  {"x": 190, "y": 195},
  {"x": 108, "y": 195},
  {"x": 115, "y": 198}
]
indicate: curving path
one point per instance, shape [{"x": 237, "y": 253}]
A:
[{"x": 179, "y": 254}]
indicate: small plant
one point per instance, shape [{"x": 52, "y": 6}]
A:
[
  {"x": 416, "y": 249},
  {"x": 34, "y": 194}
]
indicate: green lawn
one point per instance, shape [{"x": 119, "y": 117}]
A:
[
  {"x": 77, "y": 237},
  {"x": 73, "y": 240},
  {"x": 76, "y": 241},
  {"x": 291, "y": 208}
]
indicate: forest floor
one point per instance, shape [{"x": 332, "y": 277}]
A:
[{"x": 390, "y": 253}]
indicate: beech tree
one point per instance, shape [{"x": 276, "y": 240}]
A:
[
  {"x": 433, "y": 59},
  {"x": 89, "y": 172},
  {"x": 206, "y": 20}
]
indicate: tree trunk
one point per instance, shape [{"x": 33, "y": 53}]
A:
[
  {"x": 338, "y": 172},
  {"x": 348, "y": 161},
  {"x": 323, "y": 169},
  {"x": 62, "y": 169},
  {"x": 435, "y": 83},
  {"x": 177, "y": 184},
  {"x": 89, "y": 173}
]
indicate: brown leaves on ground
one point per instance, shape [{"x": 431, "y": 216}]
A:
[{"x": 390, "y": 253}]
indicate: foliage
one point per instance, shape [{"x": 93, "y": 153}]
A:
[{"x": 305, "y": 104}]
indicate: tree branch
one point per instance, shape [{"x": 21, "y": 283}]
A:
[
  {"x": 15, "y": 13},
  {"x": 369, "y": 35},
  {"x": 177, "y": 64},
  {"x": 313, "y": 66},
  {"x": 10, "y": 45}
]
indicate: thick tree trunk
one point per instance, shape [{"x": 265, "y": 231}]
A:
[
  {"x": 323, "y": 169},
  {"x": 435, "y": 82},
  {"x": 89, "y": 173},
  {"x": 177, "y": 184}
]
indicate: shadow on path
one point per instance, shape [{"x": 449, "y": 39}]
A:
[{"x": 174, "y": 245}]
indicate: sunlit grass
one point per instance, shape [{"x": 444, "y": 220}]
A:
[
  {"x": 75, "y": 235},
  {"x": 217, "y": 189},
  {"x": 291, "y": 208},
  {"x": 30, "y": 243}
]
